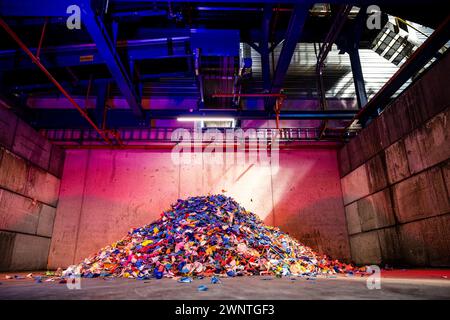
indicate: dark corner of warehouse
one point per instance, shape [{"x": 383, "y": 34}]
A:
[{"x": 224, "y": 150}]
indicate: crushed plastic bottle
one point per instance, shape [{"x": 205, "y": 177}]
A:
[
  {"x": 202, "y": 288},
  {"x": 215, "y": 280},
  {"x": 185, "y": 280}
]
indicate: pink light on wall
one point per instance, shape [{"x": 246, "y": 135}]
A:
[{"x": 104, "y": 193}]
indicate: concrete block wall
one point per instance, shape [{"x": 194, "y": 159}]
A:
[
  {"x": 395, "y": 178},
  {"x": 104, "y": 193},
  {"x": 30, "y": 174}
]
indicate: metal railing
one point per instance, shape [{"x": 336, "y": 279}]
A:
[{"x": 165, "y": 134}]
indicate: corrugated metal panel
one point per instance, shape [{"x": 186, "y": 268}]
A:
[{"x": 301, "y": 79}]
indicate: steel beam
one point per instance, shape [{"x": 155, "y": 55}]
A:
[
  {"x": 119, "y": 118},
  {"x": 254, "y": 46},
  {"x": 355, "y": 61},
  {"x": 295, "y": 28},
  {"x": 413, "y": 65},
  {"x": 358, "y": 77},
  {"x": 107, "y": 50},
  {"x": 355, "y": 2},
  {"x": 32, "y": 8},
  {"x": 52, "y": 8},
  {"x": 139, "y": 13}
]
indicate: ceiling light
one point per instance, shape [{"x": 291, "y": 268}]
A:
[{"x": 204, "y": 119}]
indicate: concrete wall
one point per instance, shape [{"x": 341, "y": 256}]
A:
[
  {"x": 104, "y": 193},
  {"x": 30, "y": 172},
  {"x": 396, "y": 180}
]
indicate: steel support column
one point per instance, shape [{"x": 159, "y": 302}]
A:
[
  {"x": 295, "y": 28},
  {"x": 100, "y": 106},
  {"x": 264, "y": 47},
  {"x": 358, "y": 78},
  {"x": 108, "y": 51},
  {"x": 325, "y": 48},
  {"x": 353, "y": 51}
]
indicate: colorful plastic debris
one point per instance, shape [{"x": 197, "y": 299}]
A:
[
  {"x": 206, "y": 236},
  {"x": 202, "y": 288},
  {"x": 215, "y": 280},
  {"x": 185, "y": 280},
  {"x": 231, "y": 273}
]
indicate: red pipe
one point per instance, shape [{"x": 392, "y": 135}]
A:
[
  {"x": 41, "y": 40},
  {"x": 53, "y": 80}
]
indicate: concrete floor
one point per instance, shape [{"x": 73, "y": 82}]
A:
[{"x": 423, "y": 284}]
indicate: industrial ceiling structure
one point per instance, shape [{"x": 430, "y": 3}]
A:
[{"x": 315, "y": 71}]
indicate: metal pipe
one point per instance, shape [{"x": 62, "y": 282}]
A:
[
  {"x": 93, "y": 46},
  {"x": 241, "y": 9},
  {"x": 51, "y": 78},
  {"x": 137, "y": 13}
]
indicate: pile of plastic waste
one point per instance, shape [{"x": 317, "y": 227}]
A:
[{"x": 207, "y": 236}]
